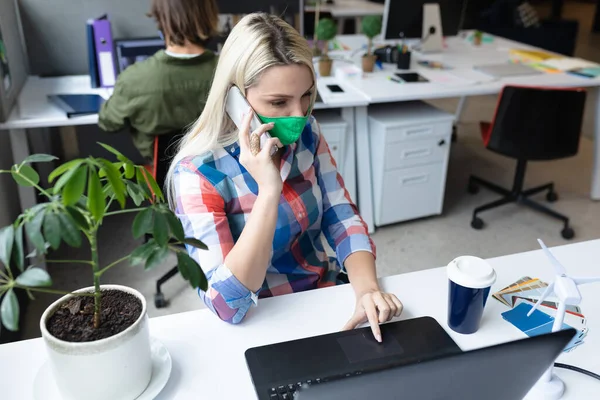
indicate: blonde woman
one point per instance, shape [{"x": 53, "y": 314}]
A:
[{"x": 263, "y": 216}]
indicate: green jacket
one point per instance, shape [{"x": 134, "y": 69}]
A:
[{"x": 160, "y": 95}]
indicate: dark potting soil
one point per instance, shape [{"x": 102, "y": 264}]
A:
[{"x": 74, "y": 320}]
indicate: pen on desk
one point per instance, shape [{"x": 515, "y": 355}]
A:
[{"x": 391, "y": 78}]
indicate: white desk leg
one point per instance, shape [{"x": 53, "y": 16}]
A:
[
  {"x": 595, "y": 191},
  {"x": 363, "y": 166},
  {"x": 27, "y": 195},
  {"x": 349, "y": 157},
  {"x": 459, "y": 109}
]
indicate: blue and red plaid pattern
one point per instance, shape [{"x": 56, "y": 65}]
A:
[{"x": 214, "y": 198}]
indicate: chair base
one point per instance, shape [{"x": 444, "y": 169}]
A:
[
  {"x": 159, "y": 297},
  {"x": 517, "y": 196}
]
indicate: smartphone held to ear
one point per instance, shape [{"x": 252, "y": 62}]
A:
[{"x": 237, "y": 107}]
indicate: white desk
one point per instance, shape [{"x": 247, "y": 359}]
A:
[
  {"x": 349, "y": 8},
  {"x": 462, "y": 81},
  {"x": 343, "y": 9},
  {"x": 208, "y": 354}
]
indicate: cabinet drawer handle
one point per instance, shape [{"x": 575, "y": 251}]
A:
[
  {"x": 414, "y": 180},
  {"x": 334, "y": 148},
  {"x": 418, "y": 132},
  {"x": 416, "y": 153}
]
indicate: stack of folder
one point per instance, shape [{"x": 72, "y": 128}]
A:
[{"x": 101, "y": 57}]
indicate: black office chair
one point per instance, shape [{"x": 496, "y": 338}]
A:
[
  {"x": 531, "y": 124},
  {"x": 164, "y": 151}
]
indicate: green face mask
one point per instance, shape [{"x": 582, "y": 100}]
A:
[{"x": 286, "y": 129}]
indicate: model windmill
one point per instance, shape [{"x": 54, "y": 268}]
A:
[{"x": 565, "y": 289}]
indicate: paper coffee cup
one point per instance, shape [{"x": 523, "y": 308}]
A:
[{"x": 469, "y": 282}]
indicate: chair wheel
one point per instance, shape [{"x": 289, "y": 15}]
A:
[
  {"x": 567, "y": 233},
  {"x": 159, "y": 300},
  {"x": 551, "y": 197},
  {"x": 477, "y": 223},
  {"x": 473, "y": 188}
]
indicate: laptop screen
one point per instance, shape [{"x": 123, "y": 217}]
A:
[{"x": 130, "y": 51}]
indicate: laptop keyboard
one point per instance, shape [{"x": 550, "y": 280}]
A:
[{"x": 288, "y": 392}]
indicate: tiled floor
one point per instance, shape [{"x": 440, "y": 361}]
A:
[{"x": 414, "y": 245}]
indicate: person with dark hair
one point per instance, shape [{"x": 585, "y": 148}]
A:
[{"x": 166, "y": 92}]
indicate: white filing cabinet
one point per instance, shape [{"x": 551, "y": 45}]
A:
[
  {"x": 335, "y": 131},
  {"x": 410, "y": 145}
]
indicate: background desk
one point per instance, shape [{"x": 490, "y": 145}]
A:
[
  {"x": 344, "y": 9},
  {"x": 208, "y": 354},
  {"x": 461, "y": 81}
]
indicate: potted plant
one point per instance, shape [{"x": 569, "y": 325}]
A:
[
  {"x": 325, "y": 31},
  {"x": 96, "y": 338},
  {"x": 371, "y": 27},
  {"x": 477, "y": 38}
]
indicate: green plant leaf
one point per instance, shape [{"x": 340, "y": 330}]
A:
[
  {"x": 161, "y": 229},
  {"x": 195, "y": 243},
  {"x": 18, "y": 252},
  {"x": 51, "y": 229},
  {"x": 175, "y": 226},
  {"x": 66, "y": 177},
  {"x": 75, "y": 186},
  {"x": 141, "y": 181},
  {"x": 153, "y": 185},
  {"x": 68, "y": 230},
  {"x": 78, "y": 217},
  {"x": 156, "y": 257},
  {"x": 9, "y": 311},
  {"x": 34, "y": 277},
  {"x": 135, "y": 193},
  {"x": 141, "y": 254},
  {"x": 114, "y": 179},
  {"x": 39, "y": 158},
  {"x": 117, "y": 153},
  {"x": 143, "y": 223},
  {"x": 25, "y": 175},
  {"x": 7, "y": 239},
  {"x": 33, "y": 228},
  {"x": 96, "y": 202},
  {"x": 129, "y": 170},
  {"x": 191, "y": 271},
  {"x": 61, "y": 169}
]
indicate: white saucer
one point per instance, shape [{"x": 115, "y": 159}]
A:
[{"x": 44, "y": 387}]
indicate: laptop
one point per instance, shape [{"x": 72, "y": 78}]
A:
[
  {"x": 503, "y": 372},
  {"x": 277, "y": 370},
  {"x": 505, "y": 70}
]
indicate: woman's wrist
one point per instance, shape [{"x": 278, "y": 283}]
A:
[{"x": 270, "y": 193}]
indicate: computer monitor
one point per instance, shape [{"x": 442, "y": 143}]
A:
[
  {"x": 130, "y": 51},
  {"x": 403, "y": 19}
]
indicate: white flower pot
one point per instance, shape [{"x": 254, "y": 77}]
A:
[{"x": 116, "y": 368}]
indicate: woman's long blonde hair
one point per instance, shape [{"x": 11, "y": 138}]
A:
[{"x": 258, "y": 41}]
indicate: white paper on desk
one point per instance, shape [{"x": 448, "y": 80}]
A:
[
  {"x": 568, "y": 64},
  {"x": 469, "y": 74},
  {"x": 442, "y": 77}
]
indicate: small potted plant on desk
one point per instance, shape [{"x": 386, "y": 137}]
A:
[
  {"x": 371, "y": 27},
  {"x": 97, "y": 338},
  {"x": 326, "y": 31}
]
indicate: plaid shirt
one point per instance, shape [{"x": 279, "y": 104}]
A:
[{"x": 215, "y": 195}]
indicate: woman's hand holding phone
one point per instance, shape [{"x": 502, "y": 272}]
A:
[{"x": 258, "y": 162}]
